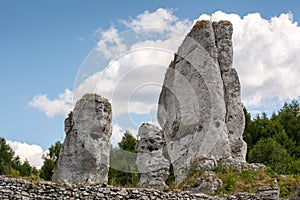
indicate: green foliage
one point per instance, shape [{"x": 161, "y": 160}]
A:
[
  {"x": 288, "y": 185},
  {"x": 70, "y": 115},
  {"x": 11, "y": 165},
  {"x": 6, "y": 157},
  {"x": 195, "y": 184},
  {"x": 171, "y": 178},
  {"x": 54, "y": 151},
  {"x": 260, "y": 127},
  {"x": 46, "y": 171},
  {"x": 235, "y": 180},
  {"x": 275, "y": 141},
  {"x": 89, "y": 95},
  {"x": 128, "y": 142},
  {"x": 122, "y": 162},
  {"x": 247, "y": 176},
  {"x": 50, "y": 161},
  {"x": 269, "y": 152},
  {"x": 25, "y": 169},
  {"x": 229, "y": 179},
  {"x": 289, "y": 117}
]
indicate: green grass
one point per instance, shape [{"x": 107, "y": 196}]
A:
[
  {"x": 288, "y": 184},
  {"x": 235, "y": 181},
  {"x": 89, "y": 95}
]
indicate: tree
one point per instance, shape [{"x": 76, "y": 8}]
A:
[
  {"x": 54, "y": 151},
  {"x": 289, "y": 118},
  {"x": 128, "y": 142},
  {"x": 6, "y": 157},
  {"x": 9, "y": 164},
  {"x": 271, "y": 153},
  {"x": 285, "y": 141},
  {"x": 50, "y": 162},
  {"x": 25, "y": 169},
  {"x": 46, "y": 171},
  {"x": 248, "y": 128},
  {"x": 260, "y": 127},
  {"x": 122, "y": 162}
]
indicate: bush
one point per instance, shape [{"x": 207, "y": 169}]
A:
[{"x": 269, "y": 152}]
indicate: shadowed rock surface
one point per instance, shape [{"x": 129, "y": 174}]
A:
[
  {"x": 154, "y": 168},
  {"x": 85, "y": 153},
  {"x": 199, "y": 106}
]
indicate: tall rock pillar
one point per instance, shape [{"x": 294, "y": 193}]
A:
[
  {"x": 199, "y": 105},
  {"x": 85, "y": 153}
]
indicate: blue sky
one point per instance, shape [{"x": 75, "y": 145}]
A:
[{"x": 44, "y": 43}]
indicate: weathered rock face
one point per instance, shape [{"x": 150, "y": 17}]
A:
[
  {"x": 296, "y": 193},
  {"x": 154, "y": 168},
  {"x": 208, "y": 183},
  {"x": 85, "y": 153},
  {"x": 199, "y": 106}
]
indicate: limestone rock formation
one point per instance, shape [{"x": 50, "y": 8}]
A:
[
  {"x": 268, "y": 193},
  {"x": 154, "y": 168},
  {"x": 85, "y": 153},
  {"x": 208, "y": 183},
  {"x": 199, "y": 106},
  {"x": 296, "y": 193}
]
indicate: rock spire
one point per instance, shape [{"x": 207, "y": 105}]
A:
[
  {"x": 85, "y": 153},
  {"x": 200, "y": 108}
]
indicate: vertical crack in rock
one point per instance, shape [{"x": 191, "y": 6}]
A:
[
  {"x": 154, "y": 168},
  {"x": 85, "y": 153},
  {"x": 235, "y": 118},
  {"x": 199, "y": 106}
]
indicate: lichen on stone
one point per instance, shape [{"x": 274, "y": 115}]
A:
[
  {"x": 201, "y": 23},
  {"x": 225, "y": 23}
]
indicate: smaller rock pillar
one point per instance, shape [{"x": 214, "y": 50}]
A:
[{"x": 154, "y": 168}]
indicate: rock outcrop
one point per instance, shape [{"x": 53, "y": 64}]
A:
[
  {"x": 296, "y": 193},
  {"x": 85, "y": 153},
  {"x": 154, "y": 168},
  {"x": 199, "y": 106},
  {"x": 208, "y": 183}
]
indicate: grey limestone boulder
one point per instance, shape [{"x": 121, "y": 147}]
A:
[
  {"x": 268, "y": 193},
  {"x": 207, "y": 183},
  {"x": 200, "y": 109},
  {"x": 154, "y": 168},
  {"x": 85, "y": 153}
]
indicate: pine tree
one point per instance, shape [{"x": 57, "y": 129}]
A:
[
  {"x": 50, "y": 162},
  {"x": 6, "y": 157}
]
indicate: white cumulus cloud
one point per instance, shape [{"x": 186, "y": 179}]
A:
[
  {"x": 160, "y": 19},
  {"x": 31, "y": 152},
  {"x": 110, "y": 44},
  {"x": 60, "y": 105},
  {"x": 265, "y": 55},
  {"x": 118, "y": 133}
]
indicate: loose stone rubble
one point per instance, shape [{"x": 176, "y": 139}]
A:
[{"x": 19, "y": 189}]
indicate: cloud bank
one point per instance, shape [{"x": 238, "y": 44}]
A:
[
  {"x": 30, "y": 152},
  {"x": 60, "y": 105}
]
